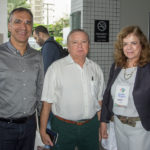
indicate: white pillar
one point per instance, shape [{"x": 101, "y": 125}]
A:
[{"x": 3, "y": 21}]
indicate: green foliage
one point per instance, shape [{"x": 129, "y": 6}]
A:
[
  {"x": 59, "y": 25},
  {"x": 16, "y": 3},
  {"x": 59, "y": 40},
  {"x": 56, "y": 30}
]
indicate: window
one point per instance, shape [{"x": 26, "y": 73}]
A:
[{"x": 76, "y": 20}]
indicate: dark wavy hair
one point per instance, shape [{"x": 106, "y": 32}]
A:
[
  {"x": 120, "y": 58},
  {"x": 41, "y": 28}
]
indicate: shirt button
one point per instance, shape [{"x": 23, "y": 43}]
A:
[
  {"x": 24, "y": 84},
  {"x": 24, "y": 98},
  {"x": 23, "y": 70}
]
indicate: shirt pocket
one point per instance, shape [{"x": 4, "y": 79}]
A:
[{"x": 93, "y": 87}]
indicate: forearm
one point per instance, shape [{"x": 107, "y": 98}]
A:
[
  {"x": 46, "y": 108},
  {"x": 99, "y": 112}
]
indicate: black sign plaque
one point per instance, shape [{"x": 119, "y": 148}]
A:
[{"x": 101, "y": 31}]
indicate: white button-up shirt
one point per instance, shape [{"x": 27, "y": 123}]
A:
[{"x": 73, "y": 91}]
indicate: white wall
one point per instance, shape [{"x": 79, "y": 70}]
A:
[
  {"x": 3, "y": 21},
  {"x": 135, "y": 12}
]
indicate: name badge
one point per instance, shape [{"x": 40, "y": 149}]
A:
[{"x": 121, "y": 95}]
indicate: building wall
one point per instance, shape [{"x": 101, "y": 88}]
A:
[
  {"x": 77, "y": 5},
  {"x": 37, "y": 10},
  {"x": 135, "y": 12},
  {"x": 3, "y": 21},
  {"x": 100, "y": 52}
]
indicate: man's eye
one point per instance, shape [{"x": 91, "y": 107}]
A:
[
  {"x": 28, "y": 22},
  {"x": 74, "y": 42},
  {"x": 17, "y": 21},
  {"x": 84, "y": 41}
]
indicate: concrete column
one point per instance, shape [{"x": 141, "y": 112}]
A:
[{"x": 3, "y": 21}]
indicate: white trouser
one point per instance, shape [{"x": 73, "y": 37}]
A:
[{"x": 131, "y": 138}]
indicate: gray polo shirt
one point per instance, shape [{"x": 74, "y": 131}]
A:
[{"x": 21, "y": 81}]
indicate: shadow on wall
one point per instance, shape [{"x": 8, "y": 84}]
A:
[{"x": 1, "y": 38}]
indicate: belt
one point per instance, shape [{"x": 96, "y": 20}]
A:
[
  {"x": 131, "y": 121},
  {"x": 79, "y": 123},
  {"x": 17, "y": 120}
]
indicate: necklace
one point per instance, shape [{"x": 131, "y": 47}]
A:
[{"x": 128, "y": 75}]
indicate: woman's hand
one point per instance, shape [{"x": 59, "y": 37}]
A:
[{"x": 103, "y": 131}]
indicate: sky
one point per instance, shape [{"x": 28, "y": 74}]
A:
[{"x": 62, "y": 7}]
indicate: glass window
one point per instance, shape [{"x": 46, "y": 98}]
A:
[{"x": 76, "y": 20}]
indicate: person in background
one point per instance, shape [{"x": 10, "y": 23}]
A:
[
  {"x": 127, "y": 95},
  {"x": 21, "y": 76},
  {"x": 73, "y": 90},
  {"x": 50, "y": 52}
]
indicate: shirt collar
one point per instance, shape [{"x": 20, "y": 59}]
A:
[
  {"x": 71, "y": 61},
  {"x": 14, "y": 50}
]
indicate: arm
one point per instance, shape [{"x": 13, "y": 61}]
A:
[
  {"x": 99, "y": 112},
  {"x": 46, "y": 108},
  {"x": 39, "y": 84},
  {"x": 48, "y": 96},
  {"x": 103, "y": 131},
  {"x": 105, "y": 113},
  {"x": 103, "y": 125}
]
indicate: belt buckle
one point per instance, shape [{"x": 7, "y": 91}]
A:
[
  {"x": 80, "y": 122},
  {"x": 124, "y": 120},
  {"x": 131, "y": 122}
]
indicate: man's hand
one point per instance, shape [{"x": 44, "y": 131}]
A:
[
  {"x": 45, "y": 138},
  {"x": 46, "y": 108}
]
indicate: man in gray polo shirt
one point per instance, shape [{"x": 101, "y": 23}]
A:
[{"x": 21, "y": 79}]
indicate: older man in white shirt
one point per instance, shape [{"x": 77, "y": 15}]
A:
[{"x": 73, "y": 90}]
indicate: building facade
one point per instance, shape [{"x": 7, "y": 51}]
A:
[
  {"x": 103, "y": 19},
  {"x": 37, "y": 10}
]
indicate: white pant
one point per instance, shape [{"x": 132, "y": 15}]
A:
[{"x": 131, "y": 138}]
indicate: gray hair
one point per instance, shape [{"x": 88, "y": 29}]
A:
[
  {"x": 77, "y": 30},
  {"x": 20, "y": 9}
]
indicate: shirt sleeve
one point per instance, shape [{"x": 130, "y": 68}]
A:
[
  {"x": 48, "y": 93},
  {"x": 39, "y": 83},
  {"x": 101, "y": 84}
]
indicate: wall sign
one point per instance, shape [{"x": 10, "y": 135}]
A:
[{"x": 101, "y": 31}]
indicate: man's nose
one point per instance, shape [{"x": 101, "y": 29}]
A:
[
  {"x": 23, "y": 25},
  {"x": 79, "y": 44}
]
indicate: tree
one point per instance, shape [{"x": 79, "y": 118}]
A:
[
  {"x": 16, "y": 3},
  {"x": 59, "y": 25},
  {"x": 56, "y": 30}
]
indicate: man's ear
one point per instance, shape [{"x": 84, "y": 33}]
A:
[
  {"x": 40, "y": 34},
  {"x": 9, "y": 27}
]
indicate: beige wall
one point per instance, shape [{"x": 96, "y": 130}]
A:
[{"x": 135, "y": 12}]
